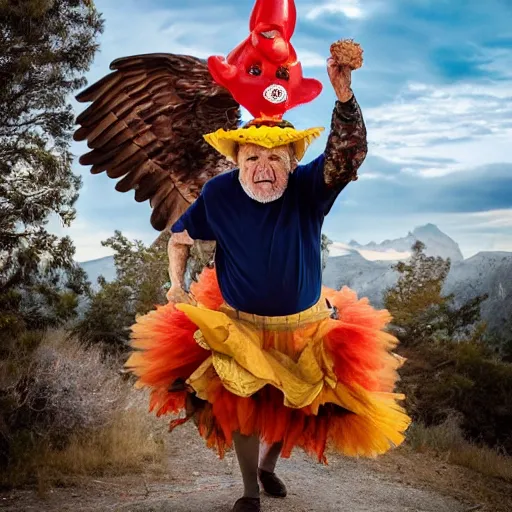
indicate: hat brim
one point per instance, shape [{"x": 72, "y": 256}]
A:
[{"x": 226, "y": 142}]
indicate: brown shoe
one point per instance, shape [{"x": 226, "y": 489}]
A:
[
  {"x": 272, "y": 484},
  {"x": 247, "y": 505}
]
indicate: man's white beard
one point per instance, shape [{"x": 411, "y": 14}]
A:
[{"x": 263, "y": 197}]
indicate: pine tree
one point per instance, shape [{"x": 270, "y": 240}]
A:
[
  {"x": 420, "y": 310},
  {"x": 45, "y": 47}
]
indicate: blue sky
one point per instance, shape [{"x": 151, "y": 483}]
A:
[{"x": 435, "y": 90}]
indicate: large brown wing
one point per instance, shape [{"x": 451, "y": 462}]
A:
[{"x": 146, "y": 125}]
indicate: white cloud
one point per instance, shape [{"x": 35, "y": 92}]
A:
[
  {"x": 342, "y": 249},
  {"x": 375, "y": 176},
  {"x": 135, "y": 29},
  {"x": 389, "y": 255},
  {"x": 466, "y": 124},
  {"x": 311, "y": 59},
  {"x": 497, "y": 60},
  {"x": 491, "y": 219},
  {"x": 349, "y": 8}
]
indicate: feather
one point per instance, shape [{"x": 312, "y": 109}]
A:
[{"x": 145, "y": 126}]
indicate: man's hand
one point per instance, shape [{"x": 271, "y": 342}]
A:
[
  {"x": 346, "y": 55},
  {"x": 178, "y": 294},
  {"x": 341, "y": 79}
]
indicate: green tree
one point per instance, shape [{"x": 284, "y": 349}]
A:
[
  {"x": 140, "y": 284},
  {"x": 450, "y": 369},
  {"x": 45, "y": 47},
  {"x": 420, "y": 310},
  {"x": 415, "y": 300}
]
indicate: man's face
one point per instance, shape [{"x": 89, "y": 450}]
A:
[{"x": 264, "y": 172}]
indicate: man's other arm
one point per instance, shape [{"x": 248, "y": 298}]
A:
[{"x": 346, "y": 146}]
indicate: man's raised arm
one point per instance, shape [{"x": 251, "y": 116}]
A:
[{"x": 347, "y": 144}]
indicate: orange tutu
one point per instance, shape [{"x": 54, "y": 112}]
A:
[{"x": 306, "y": 380}]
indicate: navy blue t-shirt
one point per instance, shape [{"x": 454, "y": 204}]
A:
[{"x": 268, "y": 256}]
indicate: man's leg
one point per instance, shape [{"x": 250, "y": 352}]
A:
[
  {"x": 269, "y": 456},
  {"x": 247, "y": 451},
  {"x": 271, "y": 483}
]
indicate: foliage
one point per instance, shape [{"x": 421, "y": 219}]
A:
[
  {"x": 447, "y": 438},
  {"x": 450, "y": 368},
  {"x": 442, "y": 379},
  {"x": 141, "y": 275},
  {"x": 45, "y": 47},
  {"x": 420, "y": 311},
  {"x": 65, "y": 408}
]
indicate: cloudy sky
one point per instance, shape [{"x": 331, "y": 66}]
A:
[{"x": 435, "y": 90}]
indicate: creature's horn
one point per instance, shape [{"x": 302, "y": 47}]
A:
[{"x": 277, "y": 13}]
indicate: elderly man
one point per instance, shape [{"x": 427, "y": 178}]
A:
[
  {"x": 266, "y": 217},
  {"x": 257, "y": 351}
]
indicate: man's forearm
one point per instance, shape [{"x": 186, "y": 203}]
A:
[
  {"x": 178, "y": 251},
  {"x": 347, "y": 144}
]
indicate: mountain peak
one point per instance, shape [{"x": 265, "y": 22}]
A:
[
  {"x": 436, "y": 243},
  {"x": 430, "y": 229}
]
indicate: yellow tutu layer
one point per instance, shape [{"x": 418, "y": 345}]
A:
[
  {"x": 305, "y": 380},
  {"x": 244, "y": 367}
]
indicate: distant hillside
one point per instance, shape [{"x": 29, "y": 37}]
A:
[
  {"x": 360, "y": 268},
  {"x": 486, "y": 272},
  {"x": 101, "y": 267},
  {"x": 437, "y": 243},
  {"x": 367, "y": 278},
  {"x": 491, "y": 273}
]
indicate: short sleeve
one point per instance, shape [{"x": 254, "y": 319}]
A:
[
  {"x": 195, "y": 221},
  {"x": 313, "y": 186}
]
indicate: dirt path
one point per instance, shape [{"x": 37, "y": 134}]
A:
[{"x": 196, "y": 481}]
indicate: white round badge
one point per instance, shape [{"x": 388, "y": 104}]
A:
[{"x": 275, "y": 93}]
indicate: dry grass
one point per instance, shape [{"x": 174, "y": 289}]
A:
[
  {"x": 75, "y": 415},
  {"x": 127, "y": 445},
  {"x": 447, "y": 440}
]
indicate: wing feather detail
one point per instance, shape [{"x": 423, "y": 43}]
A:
[{"x": 145, "y": 128}]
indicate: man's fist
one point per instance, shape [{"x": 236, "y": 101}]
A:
[
  {"x": 341, "y": 80},
  {"x": 178, "y": 294},
  {"x": 345, "y": 57}
]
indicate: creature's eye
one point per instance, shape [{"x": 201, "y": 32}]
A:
[
  {"x": 254, "y": 70},
  {"x": 252, "y": 159},
  {"x": 283, "y": 73},
  {"x": 275, "y": 158}
]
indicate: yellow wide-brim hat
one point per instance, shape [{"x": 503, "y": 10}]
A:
[{"x": 268, "y": 136}]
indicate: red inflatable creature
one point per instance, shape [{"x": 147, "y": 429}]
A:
[{"x": 263, "y": 73}]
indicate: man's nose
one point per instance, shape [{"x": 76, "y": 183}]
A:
[
  {"x": 264, "y": 172},
  {"x": 264, "y": 168}
]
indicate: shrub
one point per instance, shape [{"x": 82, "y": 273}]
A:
[
  {"x": 64, "y": 407},
  {"x": 461, "y": 378},
  {"x": 447, "y": 439}
]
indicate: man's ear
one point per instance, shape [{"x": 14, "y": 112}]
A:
[
  {"x": 234, "y": 158},
  {"x": 293, "y": 159}
]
